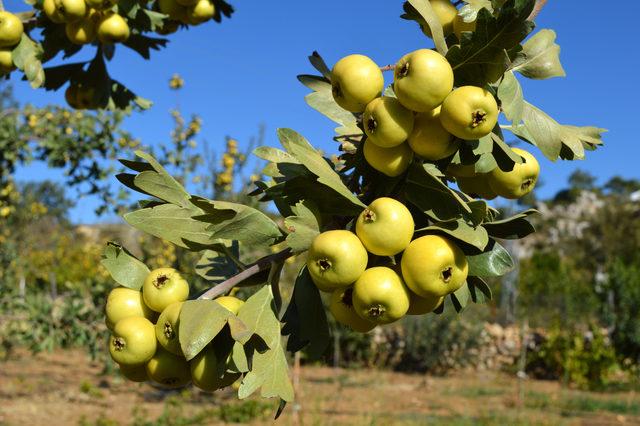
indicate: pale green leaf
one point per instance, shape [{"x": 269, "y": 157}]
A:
[
  {"x": 510, "y": 95},
  {"x": 123, "y": 267},
  {"x": 200, "y": 322},
  {"x": 541, "y": 58},
  {"x": 494, "y": 262},
  {"x": 424, "y": 8},
  {"x": 469, "y": 12}
]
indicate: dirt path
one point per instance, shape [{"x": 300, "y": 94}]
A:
[{"x": 65, "y": 388}]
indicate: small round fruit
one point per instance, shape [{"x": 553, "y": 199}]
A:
[
  {"x": 429, "y": 139},
  {"x": 518, "y": 182},
  {"x": 168, "y": 370},
  {"x": 356, "y": 80},
  {"x": 164, "y": 286},
  {"x": 336, "y": 259},
  {"x": 6, "y": 61},
  {"x": 446, "y": 13},
  {"x": 133, "y": 341},
  {"x": 423, "y": 79},
  {"x": 174, "y": 10},
  {"x": 168, "y": 27},
  {"x": 477, "y": 186},
  {"x": 71, "y": 10},
  {"x": 86, "y": 97},
  {"x": 167, "y": 328},
  {"x": 52, "y": 12},
  {"x": 11, "y": 29},
  {"x": 200, "y": 12},
  {"x": 385, "y": 227},
  {"x": 81, "y": 32},
  {"x": 231, "y": 303},
  {"x": 469, "y": 112},
  {"x": 380, "y": 295},
  {"x": 71, "y": 96},
  {"x": 205, "y": 373},
  {"x": 434, "y": 266},
  {"x": 123, "y": 303},
  {"x": 389, "y": 161},
  {"x": 113, "y": 28},
  {"x": 101, "y": 4},
  {"x": 134, "y": 373},
  {"x": 423, "y": 305},
  {"x": 459, "y": 26},
  {"x": 386, "y": 122},
  {"x": 341, "y": 307}
]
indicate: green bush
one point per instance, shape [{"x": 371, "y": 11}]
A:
[{"x": 584, "y": 359}]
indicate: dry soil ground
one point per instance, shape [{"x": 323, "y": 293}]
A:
[{"x": 65, "y": 388}]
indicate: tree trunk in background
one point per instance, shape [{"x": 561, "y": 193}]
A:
[{"x": 22, "y": 286}]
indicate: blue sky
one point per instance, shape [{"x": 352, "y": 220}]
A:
[{"x": 242, "y": 73}]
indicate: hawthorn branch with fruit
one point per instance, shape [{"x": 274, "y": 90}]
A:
[
  {"x": 397, "y": 224},
  {"x": 53, "y": 27}
]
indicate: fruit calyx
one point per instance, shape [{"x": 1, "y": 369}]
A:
[
  {"x": 447, "y": 273},
  {"x": 478, "y": 117},
  {"x": 372, "y": 124},
  {"x": 160, "y": 281},
  {"x": 369, "y": 216},
  {"x": 347, "y": 298},
  {"x": 324, "y": 264},
  {"x": 404, "y": 70},
  {"x": 168, "y": 331},
  {"x": 119, "y": 344},
  {"x": 526, "y": 184},
  {"x": 376, "y": 311}
]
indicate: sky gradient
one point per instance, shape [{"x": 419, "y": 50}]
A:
[{"x": 242, "y": 73}]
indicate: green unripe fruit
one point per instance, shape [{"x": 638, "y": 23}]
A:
[
  {"x": 429, "y": 139},
  {"x": 380, "y": 295},
  {"x": 385, "y": 227},
  {"x": 168, "y": 370},
  {"x": 355, "y": 81},
  {"x": 133, "y": 341},
  {"x": 518, "y": 182},
  {"x": 341, "y": 307},
  {"x": 167, "y": 328},
  {"x": 469, "y": 112},
  {"x": 386, "y": 122}
]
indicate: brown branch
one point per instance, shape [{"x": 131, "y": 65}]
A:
[
  {"x": 536, "y": 9},
  {"x": 256, "y": 267},
  {"x": 388, "y": 68}
]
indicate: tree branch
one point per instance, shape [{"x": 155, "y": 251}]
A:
[
  {"x": 536, "y": 9},
  {"x": 256, "y": 267}
]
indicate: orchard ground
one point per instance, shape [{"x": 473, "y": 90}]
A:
[{"x": 66, "y": 388}]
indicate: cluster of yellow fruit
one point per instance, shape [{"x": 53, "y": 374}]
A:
[
  {"x": 224, "y": 179},
  {"x": 145, "y": 334},
  {"x": 88, "y": 20},
  {"x": 11, "y": 30},
  {"x": 431, "y": 267},
  {"x": 188, "y": 12},
  {"x": 427, "y": 118}
]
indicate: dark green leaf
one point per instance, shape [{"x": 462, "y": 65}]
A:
[
  {"x": 514, "y": 227},
  {"x": 460, "y": 298},
  {"x": 476, "y": 236},
  {"x": 495, "y": 261},
  {"x": 301, "y": 228},
  {"x": 143, "y": 44}
]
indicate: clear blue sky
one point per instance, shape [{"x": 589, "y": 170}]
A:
[{"x": 242, "y": 73}]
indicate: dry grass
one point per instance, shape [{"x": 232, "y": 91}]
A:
[{"x": 65, "y": 388}]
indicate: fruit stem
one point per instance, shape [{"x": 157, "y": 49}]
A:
[
  {"x": 256, "y": 267},
  {"x": 388, "y": 68}
]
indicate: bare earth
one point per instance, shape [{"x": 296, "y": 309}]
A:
[{"x": 66, "y": 388}]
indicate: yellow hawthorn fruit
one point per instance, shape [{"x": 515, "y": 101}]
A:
[
  {"x": 113, "y": 28},
  {"x": 380, "y": 295},
  {"x": 168, "y": 27},
  {"x": 164, "y": 286},
  {"x": 385, "y": 227},
  {"x": 6, "y": 61},
  {"x": 423, "y": 79},
  {"x": 459, "y": 26},
  {"x": 133, "y": 341},
  {"x": 168, "y": 326},
  {"x": 11, "y": 29},
  {"x": 52, "y": 12},
  {"x": 434, "y": 266},
  {"x": 71, "y": 10},
  {"x": 168, "y": 370},
  {"x": 84, "y": 30},
  {"x": 123, "y": 303},
  {"x": 429, "y": 139},
  {"x": 230, "y": 303},
  {"x": 200, "y": 12},
  {"x": 520, "y": 180},
  {"x": 389, "y": 161},
  {"x": 134, "y": 373},
  {"x": 386, "y": 122},
  {"x": 446, "y": 13},
  {"x": 423, "y": 305},
  {"x": 336, "y": 259},
  {"x": 205, "y": 373},
  {"x": 86, "y": 96},
  {"x": 341, "y": 307},
  {"x": 469, "y": 112},
  {"x": 356, "y": 80},
  {"x": 477, "y": 186}
]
